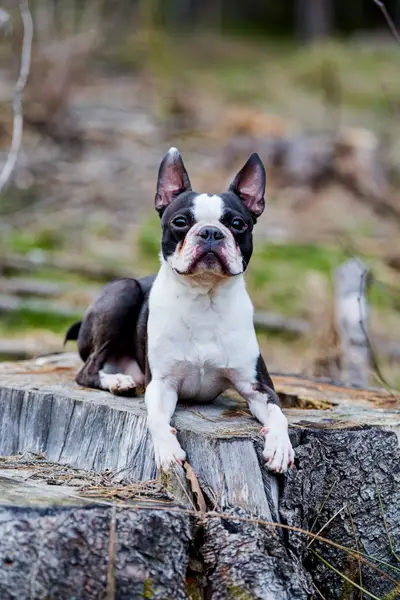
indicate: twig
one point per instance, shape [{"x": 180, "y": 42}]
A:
[
  {"x": 343, "y": 576},
  {"x": 319, "y": 592},
  {"x": 389, "y": 19},
  {"x": 18, "y": 95},
  {"x": 328, "y": 521},
  {"x": 323, "y": 504}
]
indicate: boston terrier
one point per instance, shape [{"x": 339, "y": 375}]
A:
[{"x": 188, "y": 333}]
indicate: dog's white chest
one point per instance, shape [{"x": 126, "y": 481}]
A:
[
  {"x": 201, "y": 365},
  {"x": 195, "y": 340}
]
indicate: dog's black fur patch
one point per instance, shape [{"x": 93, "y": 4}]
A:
[
  {"x": 181, "y": 205},
  {"x": 234, "y": 207},
  {"x": 110, "y": 330},
  {"x": 264, "y": 382}
]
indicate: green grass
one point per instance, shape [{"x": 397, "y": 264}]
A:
[
  {"x": 24, "y": 321},
  {"x": 25, "y": 242},
  {"x": 277, "y": 276}
]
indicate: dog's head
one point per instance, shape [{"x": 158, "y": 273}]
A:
[{"x": 208, "y": 236}]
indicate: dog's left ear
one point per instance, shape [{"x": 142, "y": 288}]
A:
[
  {"x": 249, "y": 185},
  {"x": 172, "y": 179}
]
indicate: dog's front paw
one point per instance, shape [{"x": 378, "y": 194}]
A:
[
  {"x": 278, "y": 452},
  {"x": 168, "y": 451},
  {"x": 118, "y": 384}
]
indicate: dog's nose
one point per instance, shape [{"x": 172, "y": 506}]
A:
[{"x": 211, "y": 234}]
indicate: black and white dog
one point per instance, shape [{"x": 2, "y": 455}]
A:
[{"x": 188, "y": 333}]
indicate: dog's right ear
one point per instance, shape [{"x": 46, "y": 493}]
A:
[{"x": 172, "y": 180}]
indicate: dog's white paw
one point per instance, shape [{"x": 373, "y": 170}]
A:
[
  {"x": 278, "y": 452},
  {"x": 167, "y": 450},
  {"x": 117, "y": 384}
]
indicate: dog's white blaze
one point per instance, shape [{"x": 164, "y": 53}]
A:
[{"x": 208, "y": 208}]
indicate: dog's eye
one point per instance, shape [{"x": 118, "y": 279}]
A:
[
  {"x": 238, "y": 225},
  {"x": 179, "y": 222}
]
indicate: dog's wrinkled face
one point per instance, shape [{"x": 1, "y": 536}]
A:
[{"x": 205, "y": 235}]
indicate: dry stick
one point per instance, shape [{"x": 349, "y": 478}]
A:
[
  {"x": 343, "y": 576},
  {"x": 319, "y": 592},
  {"x": 18, "y": 95},
  {"x": 323, "y": 504},
  {"x": 328, "y": 521},
  {"x": 389, "y": 19}
]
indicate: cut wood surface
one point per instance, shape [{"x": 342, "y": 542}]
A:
[{"x": 347, "y": 457}]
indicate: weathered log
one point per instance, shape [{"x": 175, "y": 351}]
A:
[
  {"x": 351, "y": 316},
  {"x": 346, "y": 454},
  {"x": 10, "y": 304},
  {"x": 31, "y": 287}
]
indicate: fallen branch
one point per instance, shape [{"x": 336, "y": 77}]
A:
[
  {"x": 276, "y": 323},
  {"x": 19, "y": 91},
  {"x": 389, "y": 19}
]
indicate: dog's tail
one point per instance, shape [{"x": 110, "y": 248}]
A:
[{"x": 73, "y": 332}]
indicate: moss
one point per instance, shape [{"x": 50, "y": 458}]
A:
[
  {"x": 148, "y": 589},
  {"x": 239, "y": 593},
  {"x": 193, "y": 589}
]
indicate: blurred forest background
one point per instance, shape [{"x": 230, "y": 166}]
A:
[{"x": 312, "y": 85}]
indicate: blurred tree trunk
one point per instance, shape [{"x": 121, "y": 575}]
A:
[{"x": 314, "y": 19}]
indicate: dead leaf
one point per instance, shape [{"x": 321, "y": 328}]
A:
[{"x": 195, "y": 487}]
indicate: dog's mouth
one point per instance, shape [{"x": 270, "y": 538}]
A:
[{"x": 210, "y": 260}]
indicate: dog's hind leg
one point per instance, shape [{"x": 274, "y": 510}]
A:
[
  {"x": 89, "y": 374},
  {"x": 110, "y": 339},
  {"x": 93, "y": 375}
]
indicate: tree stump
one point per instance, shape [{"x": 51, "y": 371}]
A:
[{"x": 207, "y": 537}]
